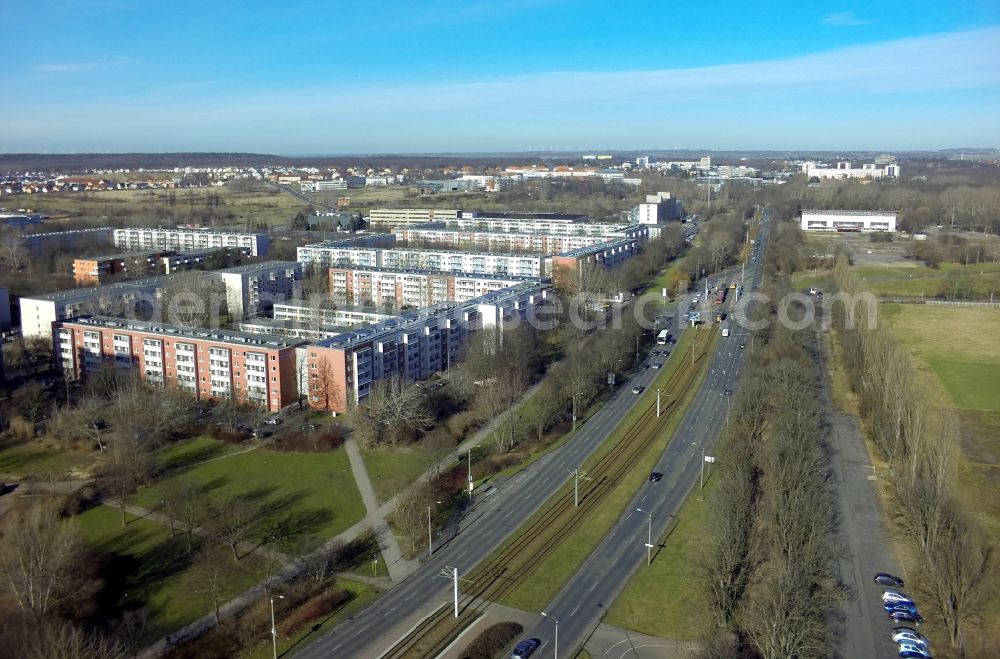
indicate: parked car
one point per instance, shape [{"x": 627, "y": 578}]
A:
[
  {"x": 525, "y": 648},
  {"x": 906, "y": 616},
  {"x": 913, "y": 650},
  {"x": 886, "y": 579},
  {"x": 655, "y": 477},
  {"x": 274, "y": 421},
  {"x": 261, "y": 432},
  {"x": 910, "y": 636},
  {"x": 900, "y": 606},
  {"x": 890, "y": 595}
]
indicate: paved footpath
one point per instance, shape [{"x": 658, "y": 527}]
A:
[{"x": 863, "y": 630}]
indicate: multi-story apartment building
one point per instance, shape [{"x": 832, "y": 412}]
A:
[
  {"x": 135, "y": 239},
  {"x": 608, "y": 255},
  {"x": 255, "y": 287},
  {"x": 328, "y": 315},
  {"x": 357, "y": 250},
  {"x": 453, "y": 260},
  {"x": 413, "y": 288},
  {"x": 341, "y": 370},
  {"x": 38, "y": 243},
  {"x": 519, "y": 240},
  {"x": 400, "y": 216},
  {"x": 95, "y": 270},
  {"x": 210, "y": 364},
  {"x": 137, "y": 297}
]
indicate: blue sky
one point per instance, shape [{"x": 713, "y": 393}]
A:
[{"x": 436, "y": 76}]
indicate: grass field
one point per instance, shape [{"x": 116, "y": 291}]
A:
[
  {"x": 34, "y": 459},
  {"x": 960, "y": 345},
  {"x": 551, "y": 574},
  {"x": 306, "y": 497},
  {"x": 392, "y": 469},
  {"x": 144, "y": 567},
  {"x": 668, "y": 598},
  {"x": 915, "y": 280}
]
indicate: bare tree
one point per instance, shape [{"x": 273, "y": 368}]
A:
[
  {"x": 391, "y": 411},
  {"x": 40, "y": 561},
  {"x": 235, "y": 521}
]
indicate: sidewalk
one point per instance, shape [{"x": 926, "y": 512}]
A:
[{"x": 399, "y": 567}]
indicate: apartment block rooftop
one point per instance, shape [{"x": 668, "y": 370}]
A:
[
  {"x": 255, "y": 267},
  {"x": 441, "y": 273},
  {"x": 232, "y": 337}
]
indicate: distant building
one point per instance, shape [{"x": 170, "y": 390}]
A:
[
  {"x": 39, "y": 243},
  {"x": 400, "y": 216},
  {"x": 844, "y": 170},
  {"x": 848, "y": 221},
  {"x": 256, "y": 287},
  {"x": 135, "y": 239}
]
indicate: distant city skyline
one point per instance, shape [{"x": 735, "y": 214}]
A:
[{"x": 523, "y": 75}]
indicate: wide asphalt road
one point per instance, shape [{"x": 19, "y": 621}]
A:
[
  {"x": 378, "y": 627},
  {"x": 582, "y": 603}
]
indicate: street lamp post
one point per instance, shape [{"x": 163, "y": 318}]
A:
[
  {"x": 658, "y": 402},
  {"x": 579, "y": 393},
  {"x": 649, "y": 536},
  {"x": 274, "y": 629},
  {"x": 556, "y": 652}
]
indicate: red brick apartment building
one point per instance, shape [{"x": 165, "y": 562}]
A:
[{"x": 210, "y": 364}]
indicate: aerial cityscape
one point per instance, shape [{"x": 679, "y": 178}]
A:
[{"x": 500, "y": 330}]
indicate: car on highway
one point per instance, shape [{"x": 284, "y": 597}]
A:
[
  {"x": 914, "y": 650},
  {"x": 727, "y": 392},
  {"x": 906, "y": 616},
  {"x": 645, "y": 367},
  {"x": 525, "y": 648},
  {"x": 637, "y": 389},
  {"x": 742, "y": 346},
  {"x": 910, "y": 636},
  {"x": 655, "y": 352},
  {"x": 655, "y": 477},
  {"x": 886, "y": 579},
  {"x": 657, "y": 365},
  {"x": 890, "y": 595}
]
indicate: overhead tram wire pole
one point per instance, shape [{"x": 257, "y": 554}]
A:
[
  {"x": 578, "y": 475},
  {"x": 274, "y": 629}
]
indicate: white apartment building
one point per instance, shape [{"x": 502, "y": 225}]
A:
[
  {"x": 495, "y": 263},
  {"x": 844, "y": 170},
  {"x": 357, "y": 250},
  {"x": 410, "y": 215},
  {"x": 568, "y": 237},
  {"x": 137, "y": 239},
  {"x": 849, "y": 221},
  {"x": 414, "y": 288},
  {"x": 341, "y": 315},
  {"x": 659, "y": 208},
  {"x": 253, "y": 288}
]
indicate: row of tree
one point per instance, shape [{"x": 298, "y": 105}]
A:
[
  {"x": 770, "y": 554},
  {"x": 919, "y": 438}
]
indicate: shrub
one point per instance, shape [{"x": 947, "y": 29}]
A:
[
  {"x": 320, "y": 441},
  {"x": 317, "y": 607},
  {"x": 21, "y": 428},
  {"x": 462, "y": 423},
  {"x": 492, "y": 641}
]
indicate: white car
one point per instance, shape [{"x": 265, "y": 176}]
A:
[
  {"x": 910, "y": 637},
  {"x": 909, "y": 649},
  {"x": 895, "y": 596}
]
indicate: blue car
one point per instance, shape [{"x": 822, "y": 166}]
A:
[
  {"x": 900, "y": 606},
  {"x": 525, "y": 648}
]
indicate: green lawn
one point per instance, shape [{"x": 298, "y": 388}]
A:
[
  {"x": 558, "y": 567},
  {"x": 392, "y": 469},
  {"x": 143, "y": 567},
  {"x": 33, "y": 458},
  {"x": 972, "y": 385},
  {"x": 306, "y": 497},
  {"x": 914, "y": 280},
  {"x": 189, "y": 452},
  {"x": 668, "y": 598}
]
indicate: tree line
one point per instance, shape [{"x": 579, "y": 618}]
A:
[{"x": 919, "y": 439}]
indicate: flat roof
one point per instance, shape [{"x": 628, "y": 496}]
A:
[
  {"x": 463, "y": 252},
  {"x": 220, "y": 335},
  {"x": 847, "y": 212},
  {"x": 589, "y": 249},
  {"x": 254, "y": 267},
  {"x": 193, "y": 230},
  {"x": 96, "y": 291},
  {"x": 278, "y": 323},
  {"x": 443, "y": 273}
]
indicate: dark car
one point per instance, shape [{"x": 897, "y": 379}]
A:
[
  {"x": 655, "y": 477},
  {"x": 886, "y": 579},
  {"x": 727, "y": 392},
  {"x": 906, "y": 616},
  {"x": 900, "y": 606},
  {"x": 525, "y": 648}
]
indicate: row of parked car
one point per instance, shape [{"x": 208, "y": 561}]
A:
[{"x": 901, "y": 608}]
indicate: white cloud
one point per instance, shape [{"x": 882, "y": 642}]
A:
[{"x": 844, "y": 19}]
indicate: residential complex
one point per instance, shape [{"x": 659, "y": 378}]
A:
[
  {"x": 136, "y": 239},
  {"x": 256, "y": 287},
  {"x": 210, "y": 364},
  {"x": 398, "y": 216},
  {"x": 331, "y": 315},
  {"x": 840, "y": 220},
  {"x": 539, "y": 242},
  {"x": 35, "y": 243},
  {"x": 413, "y": 288},
  {"x": 413, "y": 346},
  {"x": 95, "y": 270}
]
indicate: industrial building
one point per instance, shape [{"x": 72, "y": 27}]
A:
[{"x": 848, "y": 221}]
